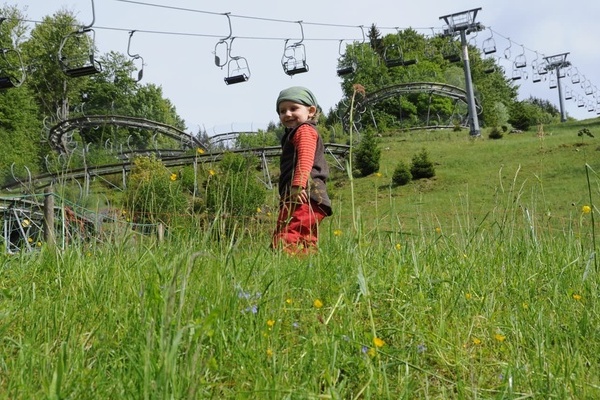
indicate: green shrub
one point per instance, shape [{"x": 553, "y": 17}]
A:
[
  {"x": 421, "y": 166},
  {"x": 234, "y": 190},
  {"x": 496, "y": 133},
  {"x": 153, "y": 192},
  {"x": 367, "y": 155},
  {"x": 402, "y": 174}
]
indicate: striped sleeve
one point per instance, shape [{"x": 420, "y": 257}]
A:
[{"x": 305, "y": 142}]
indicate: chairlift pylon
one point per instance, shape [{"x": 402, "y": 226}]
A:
[
  {"x": 293, "y": 60},
  {"x": 77, "y": 65},
  {"x": 135, "y": 57}
]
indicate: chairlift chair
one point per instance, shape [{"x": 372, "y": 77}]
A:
[
  {"x": 293, "y": 60},
  {"x": 395, "y": 57},
  {"x": 580, "y": 102},
  {"x": 489, "y": 44},
  {"x": 553, "y": 83},
  {"x": 589, "y": 90},
  {"x": 521, "y": 60},
  {"x": 451, "y": 52},
  {"x": 535, "y": 76},
  {"x": 568, "y": 93},
  {"x": 72, "y": 62},
  {"x": 346, "y": 66},
  {"x": 135, "y": 57},
  {"x": 237, "y": 70},
  {"x": 12, "y": 72},
  {"x": 575, "y": 78}
]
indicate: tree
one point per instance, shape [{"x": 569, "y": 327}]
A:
[
  {"x": 421, "y": 166},
  {"x": 367, "y": 155}
]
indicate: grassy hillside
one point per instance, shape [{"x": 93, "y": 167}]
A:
[{"x": 480, "y": 283}]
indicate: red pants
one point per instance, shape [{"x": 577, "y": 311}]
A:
[{"x": 297, "y": 227}]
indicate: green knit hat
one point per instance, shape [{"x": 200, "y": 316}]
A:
[{"x": 297, "y": 94}]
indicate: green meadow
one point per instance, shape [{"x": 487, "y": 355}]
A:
[{"x": 480, "y": 283}]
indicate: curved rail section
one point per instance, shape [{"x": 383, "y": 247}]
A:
[
  {"x": 57, "y": 137},
  {"x": 42, "y": 181},
  {"x": 431, "y": 88}
]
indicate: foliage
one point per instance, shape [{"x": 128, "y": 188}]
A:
[
  {"x": 256, "y": 140},
  {"x": 234, "y": 191},
  {"x": 421, "y": 166},
  {"x": 367, "y": 154},
  {"x": 153, "y": 192},
  {"x": 496, "y": 133},
  {"x": 402, "y": 174}
]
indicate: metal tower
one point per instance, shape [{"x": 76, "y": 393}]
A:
[
  {"x": 463, "y": 23},
  {"x": 556, "y": 62}
]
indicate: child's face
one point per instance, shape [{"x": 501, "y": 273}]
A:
[{"x": 293, "y": 114}]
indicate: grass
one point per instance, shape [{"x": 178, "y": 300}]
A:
[{"x": 480, "y": 283}]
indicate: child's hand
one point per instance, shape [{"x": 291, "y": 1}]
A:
[{"x": 298, "y": 195}]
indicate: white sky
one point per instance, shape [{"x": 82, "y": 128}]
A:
[{"x": 183, "y": 65}]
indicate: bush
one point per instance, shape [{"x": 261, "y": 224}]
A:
[
  {"x": 367, "y": 155},
  {"x": 496, "y": 133},
  {"x": 421, "y": 167},
  {"x": 402, "y": 174},
  {"x": 235, "y": 191},
  {"x": 153, "y": 192}
]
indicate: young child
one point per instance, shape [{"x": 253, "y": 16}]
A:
[{"x": 304, "y": 171}]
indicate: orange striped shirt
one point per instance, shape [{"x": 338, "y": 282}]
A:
[{"x": 305, "y": 142}]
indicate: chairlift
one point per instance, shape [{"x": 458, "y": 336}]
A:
[
  {"x": 12, "y": 69},
  {"x": 518, "y": 73},
  {"x": 451, "y": 52},
  {"x": 293, "y": 60},
  {"x": 71, "y": 61},
  {"x": 489, "y": 44},
  {"x": 580, "y": 102},
  {"x": 507, "y": 53},
  {"x": 587, "y": 87},
  {"x": 135, "y": 57},
  {"x": 346, "y": 65},
  {"x": 237, "y": 68},
  {"x": 395, "y": 58},
  {"x": 543, "y": 68},
  {"x": 521, "y": 60},
  {"x": 568, "y": 93},
  {"x": 575, "y": 78},
  {"x": 553, "y": 82}
]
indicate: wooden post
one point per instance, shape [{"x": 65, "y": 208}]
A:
[
  {"x": 160, "y": 231},
  {"x": 49, "y": 235}
]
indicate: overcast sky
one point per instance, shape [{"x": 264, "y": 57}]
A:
[{"x": 177, "y": 44}]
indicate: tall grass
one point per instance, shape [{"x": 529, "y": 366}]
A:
[{"x": 473, "y": 299}]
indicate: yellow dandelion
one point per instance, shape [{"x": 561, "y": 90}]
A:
[
  {"x": 258, "y": 210},
  {"x": 288, "y": 301},
  {"x": 270, "y": 323},
  {"x": 200, "y": 151},
  {"x": 317, "y": 303},
  {"x": 173, "y": 177},
  {"x": 379, "y": 174},
  {"x": 525, "y": 305},
  {"x": 438, "y": 230},
  {"x": 269, "y": 353},
  {"x": 468, "y": 296},
  {"x": 476, "y": 341},
  {"x": 26, "y": 223},
  {"x": 212, "y": 172},
  {"x": 586, "y": 209},
  {"x": 30, "y": 240},
  {"x": 337, "y": 232},
  {"x": 372, "y": 352},
  {"x": 378, "y": 342},
  {"x": 398, "y": 246},
  {"x": 576, "y": 296},
  {"x": 39, "y": 244},
  {"x": 499, "y": 337}
]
